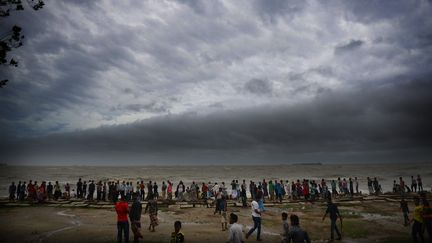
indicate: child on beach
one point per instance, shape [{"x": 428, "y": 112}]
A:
[
  {"x": 152, "y": 208},
  {"x": 223, "y": 213},
  {"x": 235, "y": 231},
  {"x": 285, "y": 228},
  {"x": 296, "y": 234},
  {"x": 405, "y": 210},
  {"x": 177, "y": 236}
]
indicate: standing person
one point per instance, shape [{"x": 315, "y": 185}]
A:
[
  {"x": 223, "y": 212},
  {"x": 218, "y": 198},
  {"x": 356, "y": 184},
  {"x": 238, "y": 189},
  {"x": 260, "y": 195},
  {"x": 84, "y": 190},
  {"x": 334, "y": 214},
  {"x": 142, "y": 190},
  {"x": 12, "y": 191},
  {"x": 23, "y": 191},
  {"x": 122, "y": 209},
  {"x": 376, "y": 186},
  {"x": 155, "y": 191},
  {"x": 91, "y": 189},
  {"x": 419, "y": 183},
  {"x": 285, "y": 228},
  {"x": 265, "y": 189},
  {"x": 67, "y": 190},
  {"x": 99, "y": 191},
  {"x": 153, "y": 209},
  {"x": 293, "y": 191},
  {"x": 243, "y": 194},
  {"x": 297, "y": 234},
  {"x": 256, "y": 217},
  {"x": 104, "y": 191},
  {"x": 149, "y": 189},
  {"x": 164, "y": 189},
  {"x": 333, "y": 186},
  {"x": 30, "y": 190},
  {"x": 135, "y": 217},
  {"x": 405, "y": 210},
  {"x": 369, "y": 183},
  {"x": 180, "y": 190},
  {"x": 288, "y": 189},
  {"x": 50, "y": 189},
  {"x": 351, "y": 187},
  {"x": 57, "y": 191},
  {"x": 79, "y": 188},
  {"x": 235, "y": 231},
  {"x": 169, "y": 190},
  {"x": 177, "y": 236},
  {"x": 233, "y": 190},
  {"x": 427, "y": 215},
  {"x": 271, "y": 190},
  {"x": 18, "y": 190},
  {"x": 204, "y": 194},
  {"x": 278, "y": 191},
  {"x": 402, "y": 185},
  {"x": 413, "y": 184},
  {"x": 417, "y": 220}
]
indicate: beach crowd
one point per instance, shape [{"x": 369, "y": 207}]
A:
[{"x": 253, "y": 194}]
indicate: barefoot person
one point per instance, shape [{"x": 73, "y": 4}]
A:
[
  {"x": 296, "y": 234},
  {"x": 177, "y": 236},
  {"x": 152, "y": 208},
  {"x": 122, "y": 209},
  {"x": 334, "y": 214},
  {"x": 135, "y": 217},
  {"x": 256, "y": 217},
  {"x": 235, "y": 231}
]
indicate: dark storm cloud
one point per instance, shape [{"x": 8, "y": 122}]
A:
[
  {"x": 377, "y": 120},
  {"x": 352, "y": 45},
  {"x": 152, "y": 107},
  {"x": 111, "y": 80},
  {"x": 272, "y": 9},
  {"x": 259, "y": 86}
]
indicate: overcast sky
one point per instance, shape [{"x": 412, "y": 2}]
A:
[{"x": 189, "y": 82}]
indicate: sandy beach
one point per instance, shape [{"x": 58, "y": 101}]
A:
[{"x": 366, "y": 219}]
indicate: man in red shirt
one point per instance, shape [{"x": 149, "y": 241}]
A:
[{"x": 122, "y": 209}]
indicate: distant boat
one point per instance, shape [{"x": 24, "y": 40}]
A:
[{"x": 3, "y": 164}]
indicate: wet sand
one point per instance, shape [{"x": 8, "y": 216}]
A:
[{"x": 374, "y": 219}]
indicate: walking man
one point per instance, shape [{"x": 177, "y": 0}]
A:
[
  {"x": 135, "y": 217},
  {"x": 256, "y": 217},
  {"x": 122, "y": 209},
  {"x": 334, "y": 214}
]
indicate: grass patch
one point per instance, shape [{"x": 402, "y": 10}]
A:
[
  {"x": 354, "y": 229},
  {"x": 396, "y": 239}
]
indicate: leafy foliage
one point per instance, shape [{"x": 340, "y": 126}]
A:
[{"x": 13, "y": 38}]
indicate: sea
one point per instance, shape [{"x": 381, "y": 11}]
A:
[{"x": 385, "y": 173}]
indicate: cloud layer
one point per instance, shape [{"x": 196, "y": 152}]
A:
[{"x": 245, "y": 80}]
